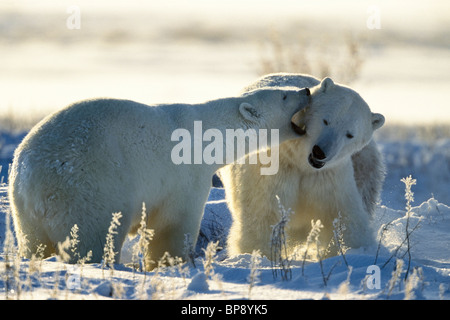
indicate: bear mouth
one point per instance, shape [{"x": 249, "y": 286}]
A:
[
  {"x": 298, "y": 123},
  {"x": 299, "y": 130},
  {"x": 315, "y": 163}
]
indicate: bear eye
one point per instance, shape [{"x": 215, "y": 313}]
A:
[
  {"x": 284, "y": 96},
  {"x": 349, "y": 135},
  {"x": 325, "y": 122}
]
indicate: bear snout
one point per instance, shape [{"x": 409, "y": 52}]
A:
[
  {"x": 298, "y": 122},
  {"x": 299, "y": 130}
]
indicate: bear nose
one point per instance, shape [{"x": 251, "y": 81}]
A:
[{"x": 318, "y": 153}]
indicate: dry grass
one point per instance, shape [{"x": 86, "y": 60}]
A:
[{"x": 336, "y": 57}]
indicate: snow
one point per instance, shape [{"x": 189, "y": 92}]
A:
[
  {"x": 332, "y": 278},
  {"x": 199, "y": 283},
  {"x": 176, "y": 52}
]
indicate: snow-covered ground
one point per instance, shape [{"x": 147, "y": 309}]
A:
[
  {"x": 229, "y": 277},
  {"x": 166, "y": 51}
]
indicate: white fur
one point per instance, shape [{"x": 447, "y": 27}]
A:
[
  {"x": 341, "y": 124},
  {"x": 96, "y": 157}
]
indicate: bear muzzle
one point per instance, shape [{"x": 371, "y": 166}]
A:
[
  {"x": 298, "y": 119},
  {"x": 298, "y": 123}
]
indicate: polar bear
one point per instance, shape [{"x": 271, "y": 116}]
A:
[
  {"x": 334, "y": 170},
  {"x": 98, "y": 157}
]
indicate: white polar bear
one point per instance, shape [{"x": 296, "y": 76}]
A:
[
  {"x": 97, "y": 157},
  {"x": 335, "y": 168}
]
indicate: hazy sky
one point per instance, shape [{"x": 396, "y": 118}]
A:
[{"x": 186, "y": 51}]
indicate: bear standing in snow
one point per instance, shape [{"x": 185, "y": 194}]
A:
[
  {"x": 97, "y": 157},
  {"x": 334, "y": 170}
]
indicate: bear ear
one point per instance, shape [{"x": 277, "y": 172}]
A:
[
  {"x": 249, "y": 112},
  {"x": 326, "y": 84},
  {"x": 377, "y": 120}
]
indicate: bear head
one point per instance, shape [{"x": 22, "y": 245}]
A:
[
  {"x": 338, "y": 123},
  {"x": 273, "y": 107}
]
